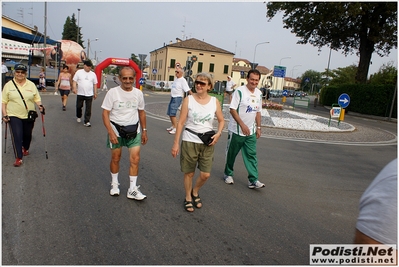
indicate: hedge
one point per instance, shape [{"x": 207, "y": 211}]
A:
[{"x": 368, "y": 99}]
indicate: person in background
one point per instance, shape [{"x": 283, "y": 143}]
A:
[
  {"x": 15, "y": 113},
  {"x": 197, "y": 114},
  {"x": 63, "y": 84},
  {"x": 42, "y": 80},
  {"x": 4, "y": 71},
  {"x": 124, "y": 105},
  {"x": 177, "y": 91},
  {"x": 229, "y": 88},
  {"x": 84, "y": 85},
  {"x": 377, "y": 222},
  {"x": 244, "y": 129}
]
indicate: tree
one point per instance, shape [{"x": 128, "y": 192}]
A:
[
  {"x": 354, "y": 27},
  {"x": 344, "y": 75},
  {"x": 71, "y": 31},
  {"x": 311, "y": 80},
  {"x": 387, "y": 74}
]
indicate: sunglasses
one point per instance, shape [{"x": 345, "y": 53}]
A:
[
  {"x": 201, "y": 83},
  {"x": 127, "y": 78},
  {"x": 20, "y": 72},
  {"x": 177, "y": 71}
]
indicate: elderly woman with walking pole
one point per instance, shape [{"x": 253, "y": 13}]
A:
[{"x": 19, "y": 98}]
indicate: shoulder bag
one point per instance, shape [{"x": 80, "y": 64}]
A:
[{"x": 32, "y": 114}]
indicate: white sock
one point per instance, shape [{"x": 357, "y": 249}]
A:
[
  {"x": 114, "y": 178},
  {"x": 133, "y": 180}
]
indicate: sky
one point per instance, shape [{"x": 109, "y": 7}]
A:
[{"x": 123, "y": 28}]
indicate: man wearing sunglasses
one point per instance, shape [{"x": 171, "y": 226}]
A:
[
  {"x": 179, "y": 88},
  {"x": 124, "y": 106}
]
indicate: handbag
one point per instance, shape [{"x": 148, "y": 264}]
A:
[
  {"x": 32, "y": 114},
  {"x": 206, "y": 137},
  {"x": 128, "y": 132}
]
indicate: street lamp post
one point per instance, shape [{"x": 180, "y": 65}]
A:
[
  {"x": 292, "y": 71},
  {"x": 253, "y": 63},
  {"x": 95, "y": 55},
  {"x": 88, "y": 47},
  {"x": 77, "y": 37}
]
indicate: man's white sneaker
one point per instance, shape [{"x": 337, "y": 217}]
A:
[
  {"x": 169, "y": 129},
  {"x": 173, "y": 131},
  {"x": 228, "y": 179},
  {"x": 114, "y": 189},
  {"x": 87, "y": 124},
  {"x": 78, "y": 120},
  {"x": 135, "y": 193},
  {"x": 255, "y": 185}
]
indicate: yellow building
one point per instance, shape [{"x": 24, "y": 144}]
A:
[{"x": 211, "y": 59}]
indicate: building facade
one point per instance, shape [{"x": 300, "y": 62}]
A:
[{"x": 209, "y": 58}]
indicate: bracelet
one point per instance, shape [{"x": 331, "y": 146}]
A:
[
  {"x": 144, "y": 129},
  {"x": 258, "y": 127}
]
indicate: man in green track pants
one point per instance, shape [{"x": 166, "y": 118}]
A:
[{"x": 244, "y": 129}]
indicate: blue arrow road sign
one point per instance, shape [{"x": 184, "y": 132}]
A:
[
  {"x": 344, "y": 100},
  {"x": 285, "y": 92},
  {"x": 141, "y": 81}
]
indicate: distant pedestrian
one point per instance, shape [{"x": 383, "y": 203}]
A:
[
  {"x": 178, "y": 89},
  {"x": 197, "y": 115},
  {"x": 125, "y": 119},
  {"x": 18, "y": 97},
  {"x": 229, "y": 88},
  {"x": 42, "y": 80},
  {"x": 85, "y": 86},
  {"x": 244, "y": 128},
  {"x": 4, "y": 71},
  {"x": 64, "y": 84}
]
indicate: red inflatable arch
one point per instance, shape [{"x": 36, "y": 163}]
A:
[{"x": 118, "y": 62}]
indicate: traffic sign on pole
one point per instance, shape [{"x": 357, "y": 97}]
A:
[{"x": 344, "y": 100}]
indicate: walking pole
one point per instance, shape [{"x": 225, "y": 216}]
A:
[
  {"x": 44, "y": 135},
  {"x": 5, "y": 138}
]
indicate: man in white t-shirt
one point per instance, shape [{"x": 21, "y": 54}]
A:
[
  {"x": 177, "y": 91},
  {"x": 124, "y": 106},
  {"x": 229, "y": 88},
  {"x": 377, "y": 222},
  {"x": 244, "y": 129},
  {"x": 85, "y": 86}
]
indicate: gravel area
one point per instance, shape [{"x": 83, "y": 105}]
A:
[{"x": 290, "y": 124}]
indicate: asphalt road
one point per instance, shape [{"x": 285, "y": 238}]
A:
[{"x": 58, "y": 210}]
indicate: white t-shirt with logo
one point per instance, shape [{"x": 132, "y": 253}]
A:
[
  {"x": 123, "y": 106},
  {"x": 246, "y": 104}
]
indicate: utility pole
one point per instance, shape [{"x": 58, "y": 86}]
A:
[{"x": 45, "y": 36}]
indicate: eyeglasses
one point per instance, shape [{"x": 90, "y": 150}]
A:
[
  {"x": 20, "y": 72},
  {"x": 201, "y": 83},
  {"x": 127, "y": 78}
]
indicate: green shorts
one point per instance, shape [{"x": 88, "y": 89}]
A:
[
  {"x": 194, "y": 153},
  {"x": 125, "y": 142}
]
